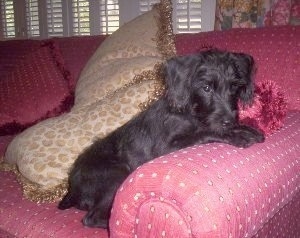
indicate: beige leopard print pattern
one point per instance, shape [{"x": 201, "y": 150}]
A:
[
  {"x": 126, "y": 53},
  {"x": 45, "y": 152}
]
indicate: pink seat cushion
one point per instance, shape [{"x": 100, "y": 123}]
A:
[
  {"x": 36, "y": 89},
  {"x": 276, "y": 51},
  {"x": 21, "y": 218}
]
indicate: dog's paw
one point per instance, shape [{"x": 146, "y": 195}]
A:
[
  {"x": 246, "y": 136},
  {"x": 66, "y": 202},
  {"x": 94, "y": 218}
]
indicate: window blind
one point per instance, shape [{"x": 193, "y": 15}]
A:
[
  {"x": 54, "y": 18},
  {"x": 32, "y": 18},
  {"x": 80, "y": 17},
  {"x": 8, "y": 18},
  {"x": 146, "y": 5},
  {"x": 186, "y": 14},
  {"x": 50, "y": 18},
  {"x": 109, "y": 16}
]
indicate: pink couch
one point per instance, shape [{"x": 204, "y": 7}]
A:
[{"x": 212, "y": 190}]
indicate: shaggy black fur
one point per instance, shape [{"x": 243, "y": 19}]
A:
[{"x": 199, "y": 106}]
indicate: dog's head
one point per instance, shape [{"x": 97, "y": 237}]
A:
[{"x": 209, "y": 85}]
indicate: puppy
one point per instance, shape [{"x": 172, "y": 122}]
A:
[{"x": 200, "y": 105}]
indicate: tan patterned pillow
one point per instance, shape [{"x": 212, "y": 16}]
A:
[
  {"x": 45, "y": 152},
  {"x": 126, "y": 53},
  {"x": 118, "y": 78}
]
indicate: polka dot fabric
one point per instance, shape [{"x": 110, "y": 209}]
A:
[
  {"x": 276, "y": 51},
  {"x": 216, "y": 190}
]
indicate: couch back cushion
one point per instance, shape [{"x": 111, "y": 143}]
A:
[
  {"x": 276, "y": 51},
  {"x": 76, "y": 51},
  {"x": 13, "y": 51}
]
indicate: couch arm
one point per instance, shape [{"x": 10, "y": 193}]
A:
[{"x": 212, "y": 190}]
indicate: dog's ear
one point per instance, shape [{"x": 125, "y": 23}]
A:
[
  {"x": 178, "y": 73},
  {"x": 245, "y": 67}
]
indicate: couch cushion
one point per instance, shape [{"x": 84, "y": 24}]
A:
[
  {"x": 14, "y": 51},
  {"x": 36, "y": 89},
  {"x": 275, "y": 49},
  {"x": 22, "y": 218},
  {"x": 76, "y": 51},
  {"x": 108, "y": 95}
]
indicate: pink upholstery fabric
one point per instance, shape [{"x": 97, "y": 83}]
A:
[
  {"x": 22, "y": 218},
  {"x": 13, "y": 51},
  {"x": 36, "y": 89},
  {"x": 276, "y": 51},
  {"x": 215, "y": 190},
  {"x": 76, "y": 51}
]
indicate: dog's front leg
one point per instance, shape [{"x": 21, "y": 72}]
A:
[
  {"x": 243, "y": 136},
  {"x": 188, "y": 139}
]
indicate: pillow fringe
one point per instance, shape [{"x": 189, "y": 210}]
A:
[
  {"x": 33, "y": 191},
  {"x": 165, "y": 42},
  {"x": 165, "y": 38}
]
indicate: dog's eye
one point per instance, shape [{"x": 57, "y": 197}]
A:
[{"x": 207, "y": 88}]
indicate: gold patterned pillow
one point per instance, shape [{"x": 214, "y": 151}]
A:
[
  {"x": 121, "y": 76},
  {"x": 126, "y": 53}
]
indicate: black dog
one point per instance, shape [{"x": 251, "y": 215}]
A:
[{"x": 199, "y": 106}]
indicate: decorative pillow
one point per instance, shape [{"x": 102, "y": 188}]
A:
[
  {"x": 268, "y": 110},
  {"x": 36, "y": 89},
  {"x": 126, "y": 53},
  {"x": 275, "y": 49},
  {"x": 108, "y": 94},
  {"x": 48, "y": 149},
  {"x": 13, "y": 51}
]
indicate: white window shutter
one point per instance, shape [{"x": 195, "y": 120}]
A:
[
  {"x": 187, "y": 16},
  {"x": 51, "y": 18},
  {"x": 8, "y": 18},
  {"x": 109, "y": 16},
  {"x": 55, "y": 18},
  {"x": 32, "y": 18},
  {"x": 146, "y": 5},
  {"x": 81, "y": 17}
]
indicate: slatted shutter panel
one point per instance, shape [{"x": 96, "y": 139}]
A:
[
  {"x": 55, "y": 18},
  {"x": 32, "y": 18},
  {"x": 81, "y": 17},
  {"x": 8, "y": 18},
  {"x": 186, "y": 14},
  {"x": 109, "y": 16}
]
